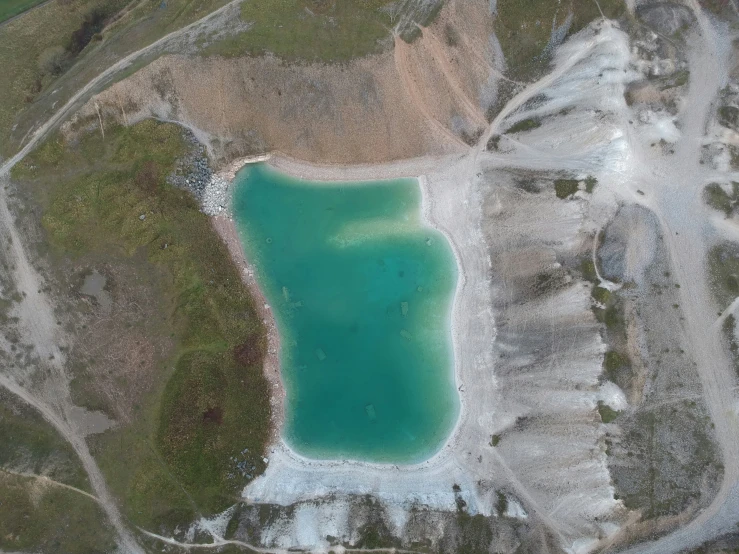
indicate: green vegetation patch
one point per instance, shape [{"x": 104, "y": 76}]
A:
[
  {"x": 729, "y": 327},
  {"x": 607, "y": 414},
  {"x": 728, "y": 116},
  {"x": 715, "y": 196},
  {"x": 601, "y": 295},
  {"x": 566, "y": 187},
  {"x": 524, "y": 125},
  {"x": 323, "y": 30},
  {"x": 199, "y": 437},
  {"x": 11, "y": 8},
  {"x": 613, "y": 364},
  {"x": 474, "y": 535},
  {"x": 66, "y": 42},
  {"x": 524, "y": 28},
  {"x": 723, "y": 264},
  {"x": 677, "y": 79},
  {"x": 674, "y": 459},
  {"x": 37, "y": 516},
  {"x": 587, "y": 268},
  {"x": 31, "y": 445},
  {"x": 719, "y": 7}
]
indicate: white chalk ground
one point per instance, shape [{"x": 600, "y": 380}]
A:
[
  {"x": 562, "y": 479},
  {"x": 452, "y": 203}
]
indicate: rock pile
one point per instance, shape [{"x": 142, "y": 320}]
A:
[
  {"x": 216, "y": 197},
  {"x": 192, "y": 172}
]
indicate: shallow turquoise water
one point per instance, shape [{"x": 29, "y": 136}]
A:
[{"x": 362, "y": 295}]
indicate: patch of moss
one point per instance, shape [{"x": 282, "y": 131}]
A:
[
  {"x": 677, "y": 79},
  {"x": 601, "y": 295},
  {"x": 607, "y": 414},
  {"x": 566, "y": 187},
  {"x": 474, "y": 535},
  {"x": 723, "y": 263},
  {"x": 524, "y": 125},
  {"x": 501, "y": 504},
  {"x": 729, "y": 326},
  {"x": 495, "y": 440},
  {"x": 587, "y": 267},
  {"x": 590, "y": 183},
  {"x": 671, "y": 475},
  {"x": 715, "y": 196},
  {"x": 613, "y": 360},
  {"x": 728, "y": 116}
]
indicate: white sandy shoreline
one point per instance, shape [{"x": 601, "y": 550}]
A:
[{"x": 225, "y": 227}]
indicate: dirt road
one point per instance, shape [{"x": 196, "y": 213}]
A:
[{"x": 677, "y": 186}]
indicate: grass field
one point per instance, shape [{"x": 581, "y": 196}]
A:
[
  {"x": 319, "y": 30},
  {"x": 199, "y": 432},
  {"x": 37, "y": 516},
  {"x": 10, "y": 8},
  {"x": 525, "y": 27},
  {"x": 31, "y": 445}
]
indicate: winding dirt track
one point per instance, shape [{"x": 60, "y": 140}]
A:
[{"x": 48, "y": 481}]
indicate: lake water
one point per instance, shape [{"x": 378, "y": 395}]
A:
[{"x": 362, "y": 293}]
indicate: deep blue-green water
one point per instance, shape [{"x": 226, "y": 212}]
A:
[{"x": 362, "y": 293}]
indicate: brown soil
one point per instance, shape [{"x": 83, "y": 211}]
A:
[
  {"x": 418, "y": 100},
  {"x": 213, "y": 415}
]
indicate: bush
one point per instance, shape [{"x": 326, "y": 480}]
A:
[
  {"x": 715, "y": 196},
  {"x": 53, "y": 61},
  {"x": 525, "y": 125},
  {"x": 565, "y": 187}
]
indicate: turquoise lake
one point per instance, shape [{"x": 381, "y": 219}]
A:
[{"x": 362, "y": 294}]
